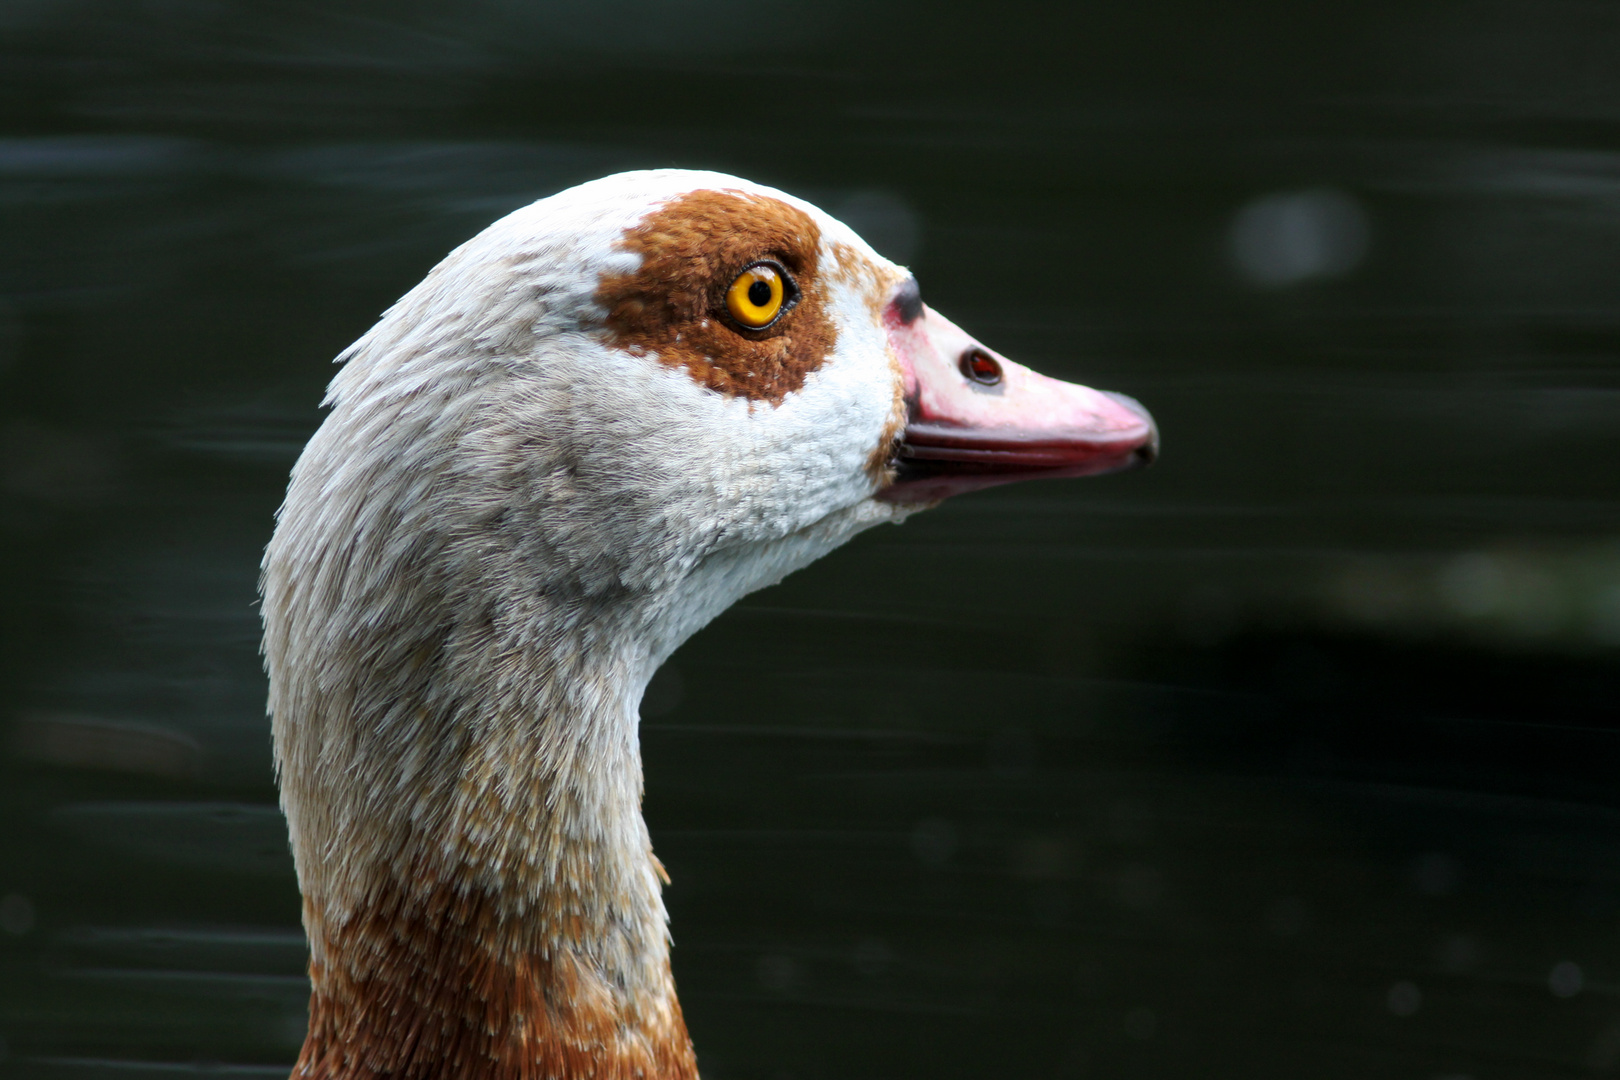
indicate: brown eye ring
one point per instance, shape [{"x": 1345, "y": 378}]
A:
[
  {"x": 761, "y": 295},
  {"x": 980, "y": 367}
]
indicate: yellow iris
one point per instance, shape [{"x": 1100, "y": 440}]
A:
[{"x": 755, "y": 298}]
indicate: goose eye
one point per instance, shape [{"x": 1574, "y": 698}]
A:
[{"x": 755, "y": 299}]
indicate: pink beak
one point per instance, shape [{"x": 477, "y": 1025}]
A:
[{"x": 977, "y": 419}]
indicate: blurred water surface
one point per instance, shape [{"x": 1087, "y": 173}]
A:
[{"x": 1291, "y": 757}]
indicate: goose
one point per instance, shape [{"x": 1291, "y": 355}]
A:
[{"x": 589, "y": 430}]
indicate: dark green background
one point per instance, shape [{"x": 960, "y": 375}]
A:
[{"x": 1292, "y": 757}]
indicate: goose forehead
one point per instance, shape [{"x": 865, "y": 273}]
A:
[
  {"x": 566, "y": 243},
  {"x": 762, "y": 208},
  {"x": 587, "y": 222}
]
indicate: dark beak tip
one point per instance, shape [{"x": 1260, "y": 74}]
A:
[{"x": 1148, "y": 452}]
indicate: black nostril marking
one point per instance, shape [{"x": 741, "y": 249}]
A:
[
  {"x": 908, "y": 300},
  {"x": 980, "y": 367}
]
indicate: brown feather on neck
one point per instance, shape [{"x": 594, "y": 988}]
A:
[{"x": 438, "y": 981}]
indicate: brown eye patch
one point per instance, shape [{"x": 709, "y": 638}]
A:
[{"x": 674, "y": 306}]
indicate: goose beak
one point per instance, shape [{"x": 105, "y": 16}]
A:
[{"x": 976, "y": 419}]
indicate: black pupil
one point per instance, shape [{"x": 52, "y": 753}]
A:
[{"x": 759, "y": 293}]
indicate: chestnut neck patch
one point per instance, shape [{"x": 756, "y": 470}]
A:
[
  {"x": 673, "y": 307},
  {"x": 430, "y": 985}
]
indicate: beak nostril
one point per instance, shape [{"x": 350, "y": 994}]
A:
[{"x": 980, "y": 367}]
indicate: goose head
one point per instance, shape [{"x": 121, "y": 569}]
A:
[{"x": 589, "y": 430}]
